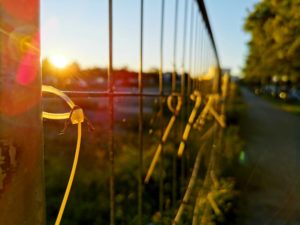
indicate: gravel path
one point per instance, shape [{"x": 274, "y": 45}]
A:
[{"x": 271, "y": 184}]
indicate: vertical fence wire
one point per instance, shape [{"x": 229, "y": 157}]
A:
[
  {"x": 161, "y": 49},
  {"x": 204, "y": 54},
  {"x": 161, "y": 106},
  {"x": 195, "y": 61},
  {"x": 174, "y": 73},
  {"x": 183, "y": 92},
  {"x": 184, "y": 49},
  {"x": 190, "y": 57},
  {"x": 197, "y": 54},
  {"x": 110, "y": 83},
  {"x": 200, "y": 52},
  {"x": 174, "y": 76},
  {"x": 209, "y": 57},
  {"x": 189, "y": 86},
  {"x": 141, "y": 118}
]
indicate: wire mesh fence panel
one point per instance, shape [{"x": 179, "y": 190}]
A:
[{"x": 148, "y": 110}]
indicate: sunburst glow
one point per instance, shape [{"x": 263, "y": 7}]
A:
[{"x": 59, "y": 61}]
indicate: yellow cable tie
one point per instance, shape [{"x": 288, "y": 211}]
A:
[
  {"x": 181, "y": 149},
  {"x": 159, "y": 148},
  {"x": 186, "y": 132},
  {"x": 71, "y": 179},
  {"x": 219, "y": 118},
  {"x": 168, "y": 128},
  {"x": 200, "y": 121},
  {"x": 153, "y": 163},
  {"x": 197, "y": 98},
  {"x": 175, "y": 110},
  {"x": 213, "y": 204},
  {"x": 76, "y": 116}
]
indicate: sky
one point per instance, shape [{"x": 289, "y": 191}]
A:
[
  {"x": 227, "y": 19},
  {"x": 78, "y": 30}
]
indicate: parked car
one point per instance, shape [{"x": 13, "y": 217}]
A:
[{"x": 294, "y": 94}]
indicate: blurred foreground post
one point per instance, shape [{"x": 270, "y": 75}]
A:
[{"x": 21, "y": 155}]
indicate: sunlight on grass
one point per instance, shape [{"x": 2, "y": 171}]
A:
[{"x": 290, "y": 108}]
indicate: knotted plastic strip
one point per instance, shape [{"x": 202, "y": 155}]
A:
[
  {"x": 175, "y": 110},
  {"x": 197, "y": 98},
  {"x": 76, "y": 116}
]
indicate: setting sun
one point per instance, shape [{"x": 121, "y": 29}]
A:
[{"x": 59, "y": 61}]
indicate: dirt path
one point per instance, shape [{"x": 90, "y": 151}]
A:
[{"x": 271, "y": 185}]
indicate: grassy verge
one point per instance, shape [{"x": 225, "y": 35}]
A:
[
  {"x": 233, "y": 158},
  {"x": 217, "y": 199},
  {"x": 290, "y": 107}
]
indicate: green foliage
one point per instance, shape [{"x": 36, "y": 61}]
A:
[
  {"x": 233, "y": 144},
  {"x": 215, "y": 205},
  {"x": 274, "y": 48}
]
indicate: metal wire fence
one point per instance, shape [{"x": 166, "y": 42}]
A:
[
  {"x": 190, "y": 103},
  {"x": 169, "y": 156},
  {"x": 201, "y": 55}
]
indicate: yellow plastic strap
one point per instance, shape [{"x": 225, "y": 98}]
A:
[
  {"x": 168, "y": 128},
  {"x": 153, "y": 163},
  {"x": 200, "y": 121},
  {"x": 71, "y": 179},
  {"x": 57, "y": 116},
  {"x": 197, "y": 98},
  {"x": 201, "y": 118},
  {"x": 219, "y": 118},
  {"x": 76, "y": 116},
  {"x": 175, "y": 110}
]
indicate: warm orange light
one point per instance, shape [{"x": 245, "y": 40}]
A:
[{"x": 59, "y": 61}]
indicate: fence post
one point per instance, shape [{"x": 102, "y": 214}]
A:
[{"x": 21, "y": 152}]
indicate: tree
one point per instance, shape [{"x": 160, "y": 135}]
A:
[{"x": 274, "y": 48}]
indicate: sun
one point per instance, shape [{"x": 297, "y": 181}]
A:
[{"x": 59, "y": 61}]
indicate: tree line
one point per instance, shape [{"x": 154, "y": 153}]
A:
[{"x": 274, "y": 47}]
